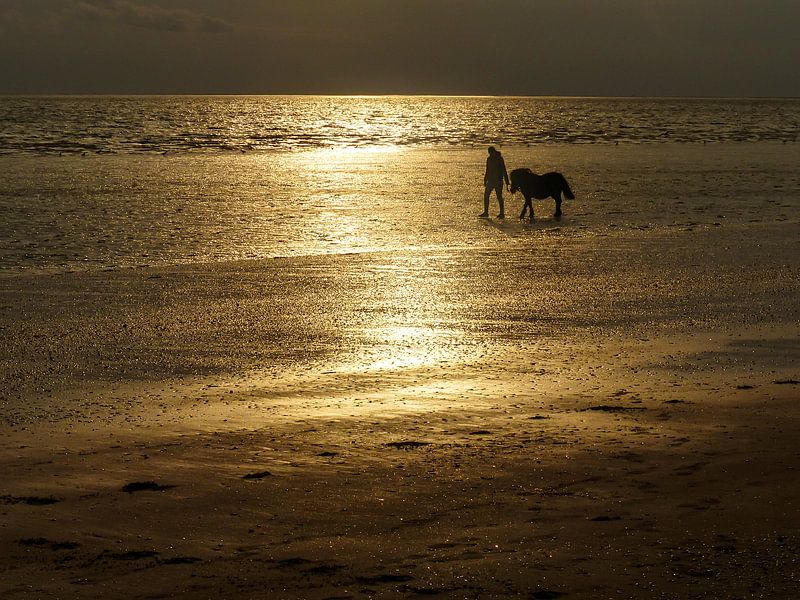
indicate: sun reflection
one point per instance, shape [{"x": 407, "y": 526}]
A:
[
  {"x": 332, "y": 200},
  {"x": 408, "y": 347},
  {"x": 349, "y": 201},
  {"x": 350, "y": 154},
  {"x": 410, "y": 326}
]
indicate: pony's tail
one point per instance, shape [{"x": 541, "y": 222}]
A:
[{"x": 567, "y": 192}]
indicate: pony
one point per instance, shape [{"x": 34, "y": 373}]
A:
[{"x": 549, "y": 185}]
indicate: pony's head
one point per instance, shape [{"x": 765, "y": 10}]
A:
[{"x": 517, "y": 175}]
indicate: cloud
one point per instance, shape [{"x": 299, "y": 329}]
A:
[
  {"x": 149, "y": 16},
  {"x": 608, "y": 47}
]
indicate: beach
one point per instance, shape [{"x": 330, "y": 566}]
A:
[{"x": 392, "y": 398}]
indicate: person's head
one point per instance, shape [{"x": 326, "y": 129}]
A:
[{"x": 492, "y": 150}]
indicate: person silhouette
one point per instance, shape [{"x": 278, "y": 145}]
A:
[{"x": 493, "y": 180}]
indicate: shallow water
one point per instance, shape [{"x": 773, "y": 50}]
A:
[{"x": 86, "y": 213}]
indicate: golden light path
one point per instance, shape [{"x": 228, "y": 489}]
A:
[
  {"x": 370, "y": 201},
  {"x": 407, "y": 347},
  {"x": 340, "y": 194}
]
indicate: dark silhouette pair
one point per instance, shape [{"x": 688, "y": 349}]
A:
[{"x": 549, "y": 185}]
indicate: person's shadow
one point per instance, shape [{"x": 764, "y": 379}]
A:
[{"x": 517, "y": 227}]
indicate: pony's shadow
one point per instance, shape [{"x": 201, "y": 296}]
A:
[{"x": 515, "y": 227}]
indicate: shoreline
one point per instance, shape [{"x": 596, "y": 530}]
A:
[{"x": 70, "y": 211}]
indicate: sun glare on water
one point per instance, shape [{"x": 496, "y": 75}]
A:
[
  {"x": 408, "y": 347},
  {"x": 343, "y": 155},
  {"x": 342, "y": 195}
]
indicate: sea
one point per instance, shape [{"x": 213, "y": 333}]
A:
[{"x": 111, "y": 182}]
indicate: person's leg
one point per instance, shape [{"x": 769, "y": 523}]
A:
[
  {"x": 499, "y": 191},
  {"x": 486, "y": 192}
]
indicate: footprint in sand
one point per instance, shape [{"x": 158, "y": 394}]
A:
[
  {"x": 407, "y": 445},
  {"x": 145, "y": 486},
  {"x": 30, "y": 500},
  {"x": 131, "y": 555},
  {"x": 180, "y": 560},
  {"x": 258, "y": 475},
  {"x": 48, "y": 544},
  {"x": 614, "y": 409}
]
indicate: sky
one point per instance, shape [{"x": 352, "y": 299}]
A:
[{"x": 471, "y": 47}]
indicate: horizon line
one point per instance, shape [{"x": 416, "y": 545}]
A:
[{"x": 387, "y": 95}]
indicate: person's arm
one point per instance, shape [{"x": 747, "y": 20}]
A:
[{"x": 505, "y": 173}]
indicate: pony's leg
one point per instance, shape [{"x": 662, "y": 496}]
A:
[
  {"x": 527, "y": 208},
  {"x": 524, "y": 208},
  {"x": 557, "y": 197}
]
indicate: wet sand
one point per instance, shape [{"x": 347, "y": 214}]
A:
[
  {"x": 416, "y": 403},
  {"x": 595, "y": 418}
]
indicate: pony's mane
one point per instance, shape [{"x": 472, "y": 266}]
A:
[{"x": 520, "y": 171}]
